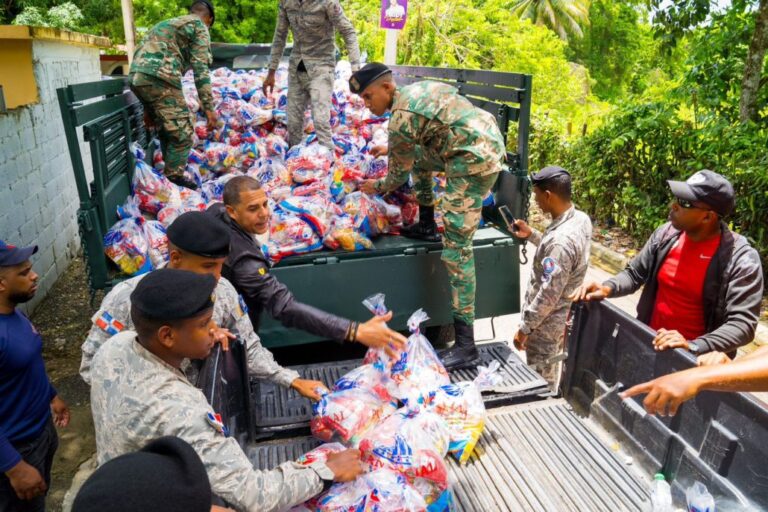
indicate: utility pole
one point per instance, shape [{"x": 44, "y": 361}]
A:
[{"x": 130, "y": 32}]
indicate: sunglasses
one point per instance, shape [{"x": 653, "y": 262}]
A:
[{"x": 684, "y": 203}]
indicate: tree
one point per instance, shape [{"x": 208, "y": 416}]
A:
[
  {"x": 565, "y": 17},
  {"x": 65, "y": 16},
  {"x": 677, "y": 19}
]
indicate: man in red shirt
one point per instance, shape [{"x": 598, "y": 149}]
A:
[{"x": 703, "y": 282}]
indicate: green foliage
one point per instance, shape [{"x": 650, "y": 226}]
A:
[
  {"x": 66, "y": 16},
  {"x": 565, "y": 17}
]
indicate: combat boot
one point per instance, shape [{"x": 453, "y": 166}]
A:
[
  {"x": 463, "y": 353},
  {"x": 425, "y": 228},
  {"x": 183, "y": 181}
]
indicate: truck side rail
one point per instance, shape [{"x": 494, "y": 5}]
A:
[
  {"x": 111, "y": 118},
  {"x": 719, "y": 439}
]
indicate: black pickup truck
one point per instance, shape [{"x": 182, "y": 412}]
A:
[{"x": 589, "y": 450}]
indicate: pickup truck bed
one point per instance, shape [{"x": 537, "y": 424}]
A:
[
  {"x": 589, "y": 450},
  {"x": 534, "y": 456}
]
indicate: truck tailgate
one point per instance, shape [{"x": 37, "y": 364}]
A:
[{"x": 536, "y": 456}]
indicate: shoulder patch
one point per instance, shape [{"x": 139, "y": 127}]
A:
[
  {"x": 215, "y": 421},
  {"x": 108, "y": 324},
  {"x": 262, "y": 271},
  {"x": 243, "y": 306},
  {"x": 548, "y": 266}
]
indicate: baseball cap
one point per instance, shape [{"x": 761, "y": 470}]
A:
[
  {"x": 707, "y": 187},
  {"x": 11, "y": 255}
]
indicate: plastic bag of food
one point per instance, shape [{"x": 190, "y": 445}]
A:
[
  {"x": 321, "y": 453},
  {"x": 414, "y": 444},
  {"x": 126, "y": 245},
  {"x": 158, "y": 243},
  {"x": 346, "y": 415},
  {"x": 128, "y": 209},
  {"x": 370, "y": 218},
  {"x": 371, "y": 377},
  {"x": 380, "y": 491},
  {"x": 343, "y": 235},
  {"x": 152, "y": 190},
  {"x": 418, "y": 371},
  {"x": 317, "y": 211},
  {"x": 375, "y": 304},
  {"x": 270, "y": 172},
  {"x": 276, "y": 146}
]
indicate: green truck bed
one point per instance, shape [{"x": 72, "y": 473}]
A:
[{"x": 408, "y": 271}]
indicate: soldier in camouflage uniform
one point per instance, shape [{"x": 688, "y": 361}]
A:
[
  {"x": 433, "y": 128},
  {"x": 559, "y": 267},
  {"x": 168, "y": 50},
  {"x": 140, "y": 394},
  {"x": 313, "y": 59},
  {"x": 199, "y": 243}
]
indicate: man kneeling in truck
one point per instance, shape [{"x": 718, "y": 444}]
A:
[
  {"x": 703, "y": 282},
  {"x": 434, "y": 128},
  {"x": 138, "y": 394},
  {"x": 246, "y": 212}
]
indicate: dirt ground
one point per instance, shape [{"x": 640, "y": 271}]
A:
[{"x": 63, "y": 319}]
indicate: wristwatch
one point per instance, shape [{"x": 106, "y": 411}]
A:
[
  {"x": 693, "y": 348},
  {"x": 324, "y": 472}
]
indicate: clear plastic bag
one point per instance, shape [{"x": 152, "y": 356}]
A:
[
  {"x": 151, "y": 189},
  {"x": 158, "y": 243},
  {"x": 126, "y": 245},
  {"x": 399, "y": 445},
  {"x": 375, "y": 304},
  {"x": 317, "y": 211},
  {"x": 372, "y": 377},
  {"x": 380, "y": 491},
  {"x": 321, "y": 453},
  {"x": 346, "y": 415},
  {"x": 418, "y": 371}
]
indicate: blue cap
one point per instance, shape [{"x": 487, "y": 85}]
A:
[{"x": 11, "y": 255}]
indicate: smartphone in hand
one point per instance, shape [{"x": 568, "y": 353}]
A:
[{"x": 509, "y": 219}]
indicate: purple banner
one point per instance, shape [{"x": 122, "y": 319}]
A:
[{"x": 393, "y": 14}]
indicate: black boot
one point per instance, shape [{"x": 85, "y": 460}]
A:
[
  {"x": 463, "y": 353},
  {"x": 426, "y": 228},
  {"x": 183, "y": 181}
]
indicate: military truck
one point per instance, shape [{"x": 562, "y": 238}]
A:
[{"x": 408, "y": 271}]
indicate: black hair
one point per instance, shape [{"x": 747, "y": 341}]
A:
[
  {"x": 208, "y": 6},
  {"x": 559, "y": 185},
  {"x": 235, "y": 187}
]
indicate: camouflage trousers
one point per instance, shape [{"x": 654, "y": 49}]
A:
[
  {"x": 317, "y": 90},
  {"x": 168, "y": 110},
  {"x": 461, "y": 208},
  {"x": 540, "y": 349}
]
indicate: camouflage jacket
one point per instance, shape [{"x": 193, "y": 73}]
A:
[
  {"x": 431, "y": 121},
  {"x": 229, "y": 312},
  {"x": 559, "y": 267},
  {"x": 137, "y": 397},
  {"x": 171, "y": 48},
  {"x": 313, "y": 24}
]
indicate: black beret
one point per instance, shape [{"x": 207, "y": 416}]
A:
[
  {"x": 200, "y": 233},
  {"x": 167, "y": 474},
  {"x": 548, "y": 173},
  {"x": 366, "y": 75},
  {"x": 172, "y": 294},
  {"x": 209, "y": 5}
]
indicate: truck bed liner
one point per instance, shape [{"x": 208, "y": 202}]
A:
[
  {"x": 539, "y": 457},
  {"x": 279, "y": 410}
]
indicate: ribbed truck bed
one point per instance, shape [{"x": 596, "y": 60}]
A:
[{"x": 537, "y": 456}]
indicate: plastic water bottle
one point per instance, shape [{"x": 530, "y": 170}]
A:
[
  {"x": 699, "y": 499},
  {"x": 661, "y": 495}
]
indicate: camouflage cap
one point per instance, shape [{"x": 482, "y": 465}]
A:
[{"x": 366, "y": 75}]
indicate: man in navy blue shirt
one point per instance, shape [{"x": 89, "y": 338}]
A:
[{"x": 29, "y": 405}]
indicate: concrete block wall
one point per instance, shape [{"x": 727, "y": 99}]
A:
[{"x": 38, "y": 197}]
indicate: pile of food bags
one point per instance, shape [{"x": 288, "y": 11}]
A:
[
  {"x": 307, "y": 184},
  {"x": 403, "y": 449}
]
